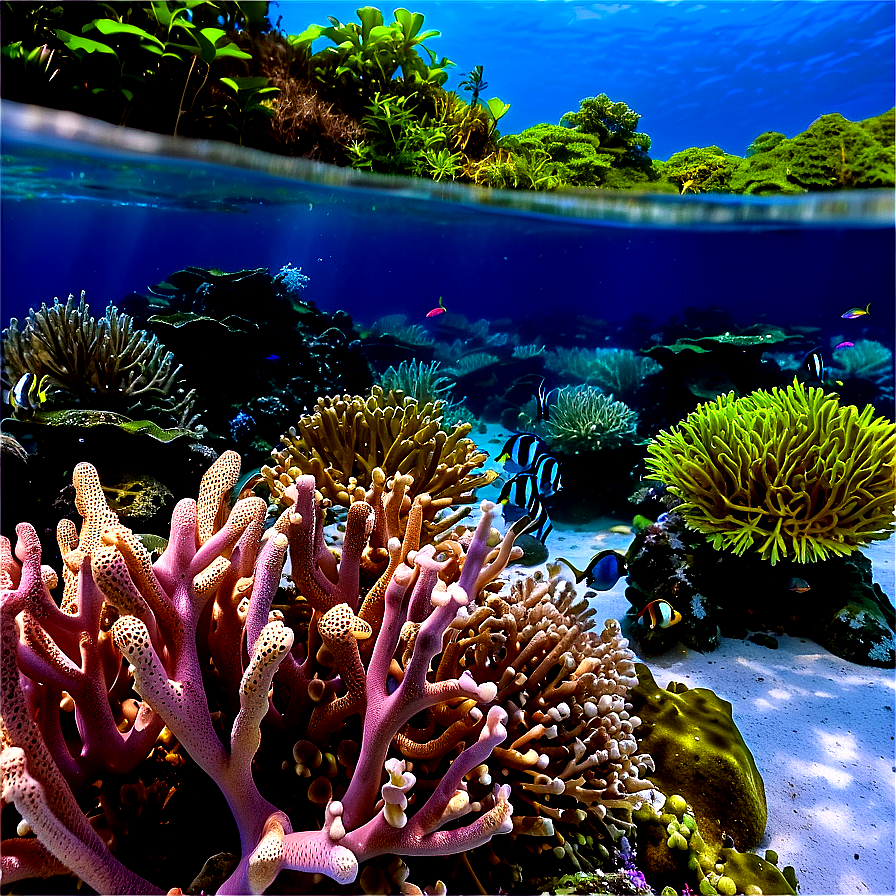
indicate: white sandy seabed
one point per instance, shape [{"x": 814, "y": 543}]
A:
[{"x": 820, "y": 728}]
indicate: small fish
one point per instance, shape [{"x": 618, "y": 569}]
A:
[
  {"x": 29, "y": 393},
  {"x": 661, "y": 614},
  {"x": 520, "y": 451},
  {"x": 797, "y": 585},
  {"x": 542, "y": 402},
  {"x": 546, "y": 470},
  {"x": 853, "y": 313},
  {"x": 620, "y": 530},
  {"x": 844, "y": 345},
  {"x": 814, "y": 366},
  {"x": 520, "y": 498},
  {"x": 272, "y": 358},
  {"x": 439, "y": 309},
  {"x": 603, "y": 571}
]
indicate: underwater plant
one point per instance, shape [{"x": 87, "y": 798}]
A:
[
  {"x": 700, "y": 169},
  {"x": 785, "y": 473},
  {"x": 102, "y": 365},
  {"x": 618, "y": 371},
  {"x": 832, "y": 153},
  {"x": 584, "y": 419}
]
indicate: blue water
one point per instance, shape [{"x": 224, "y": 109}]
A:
[
  {"x": 698, "y": 73},
  {"x": 86, "y": 215}
]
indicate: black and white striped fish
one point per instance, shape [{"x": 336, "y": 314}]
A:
[
  {"x": 520, "y": 497},
  {"x": 521, "y": 450}
]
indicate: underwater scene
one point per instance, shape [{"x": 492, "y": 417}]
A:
[{"x": 448, "y": 449}]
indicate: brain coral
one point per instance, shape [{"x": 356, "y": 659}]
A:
[{"x": 788, "y": 473}]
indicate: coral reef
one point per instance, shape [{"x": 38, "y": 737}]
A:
[
  {"x": 103, "y": 365},
  {"x": 584, "y": 419},
  {"x": 572, "y": 760},
  {"x": 835, "y": 602},
  {"x": 699, "y": 753},
  {"x": 347, "y": 438},
  {"x": 129, "y": 625},
  {"x": 786, "y": 473},
  {"x": 865, "y": 359},
  {"x": 617, "y": 371},
  {"x": 292, "y": 352}
]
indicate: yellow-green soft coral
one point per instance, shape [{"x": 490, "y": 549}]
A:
[{"x": 787, "y": 473}]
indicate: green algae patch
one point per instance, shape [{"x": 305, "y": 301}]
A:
[{"x": 700, "y": 754}]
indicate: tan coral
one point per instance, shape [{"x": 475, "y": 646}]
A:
[
  {"x": 348, "y": 437},
  {"x": 571, "y": 756}
]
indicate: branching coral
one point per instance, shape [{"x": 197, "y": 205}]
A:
[
  {"x": 787, "y": 473},
  {"x": 347, "y": 438},
  {"x": 583, "y": 419},
  {"x": 616, "y": 370},
  {"x": 103, "y": 364},
  {"x": 572, "y": 758},
  {"x": 130, "y": 625}
]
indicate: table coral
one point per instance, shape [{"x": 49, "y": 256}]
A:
[{"x": 786, "y": 473}]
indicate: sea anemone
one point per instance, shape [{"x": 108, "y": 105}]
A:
[
  {"x": 616, "y": 370},
  {"x": 788, "y": 473},
  {"x": 584, "y": 419}
]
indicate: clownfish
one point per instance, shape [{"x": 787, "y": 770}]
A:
[{"x": 660, "y": 613}]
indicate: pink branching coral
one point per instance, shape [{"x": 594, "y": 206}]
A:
[{"x": 135, "y": 644}]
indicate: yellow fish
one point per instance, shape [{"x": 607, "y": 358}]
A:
[{"x": 661, "y": 613}]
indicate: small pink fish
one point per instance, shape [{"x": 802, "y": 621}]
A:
[
  {"x": 844, "y": 345},
  {"x": 853, "y": 313},
  {"x": 439, "y": 309}
]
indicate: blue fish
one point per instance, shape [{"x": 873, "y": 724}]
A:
[{"x": 603, "y": 571}]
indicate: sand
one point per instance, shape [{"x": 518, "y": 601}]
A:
[{"x": 821, "y": 729}]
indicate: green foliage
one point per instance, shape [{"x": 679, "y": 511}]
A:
[
  {"x": 147, "y": 64},
  {"x": 576, "y": 158},
  {"x": 368, "y": 55},
  {"x": 764, "y": 142},
  {"x": 833, "y": 153},
  {"x": 614, "y": 124},
  {"x": 700, "y": 169}
]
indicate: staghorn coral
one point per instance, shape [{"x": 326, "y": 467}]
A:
[
  {"x": 618, "y": 371},
  {"x": 348, "y": 437},
  {"x": 787, "y": 473},
  {"x": 584, "y": 419},
  {"x": 572, "y": 759},
  {"x": 103, "y": 364},
  {"x": 141, "y": 627}
]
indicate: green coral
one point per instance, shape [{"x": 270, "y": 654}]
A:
[
  {"x": 832, "y": 153},
  {"x": 700, "y": 169},
  {"x": 700, "y": 754},
  {"x": 614, "y": 124},
  {"x": 787, "y": 473},
  {"x": 577, "y": 158},
  {"x": 584, "y": 419}
]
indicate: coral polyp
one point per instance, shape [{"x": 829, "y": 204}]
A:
[{"x": 789, "y": 473}]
